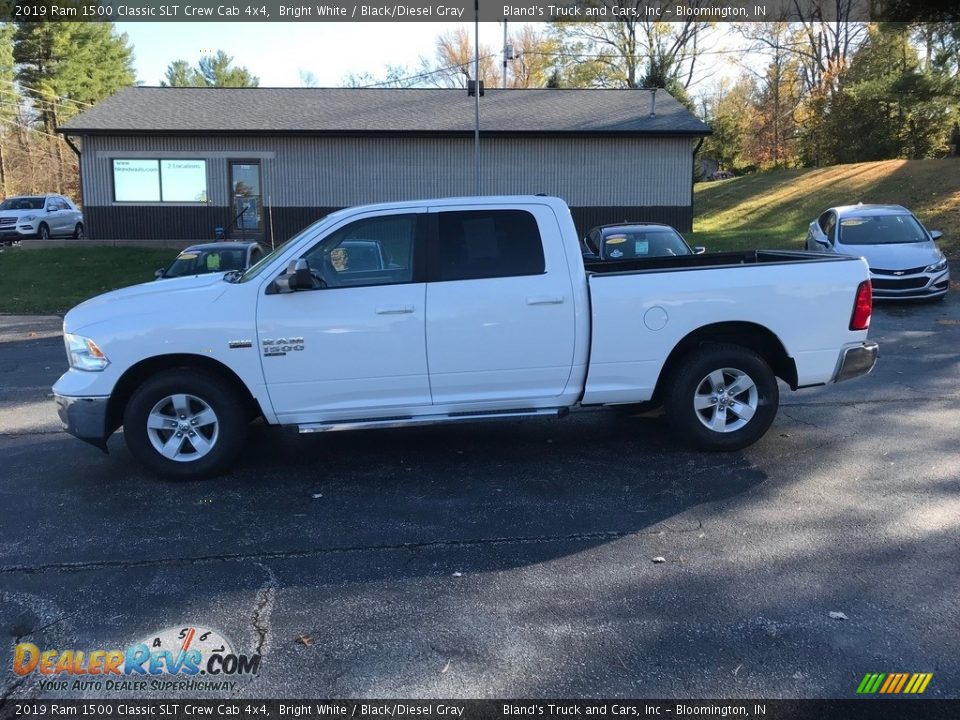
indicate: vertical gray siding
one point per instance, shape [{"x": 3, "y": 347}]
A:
[{"x": 303, "y": 175}]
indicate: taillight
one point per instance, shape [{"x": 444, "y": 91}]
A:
[{"x": 862, "y": 307}]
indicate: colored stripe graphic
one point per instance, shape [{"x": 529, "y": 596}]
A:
[{"x": 894, "y": 683}]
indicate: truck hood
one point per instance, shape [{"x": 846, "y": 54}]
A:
[
  {"x": 166, "y": 296},
  {"x": 899, "y": 256}
]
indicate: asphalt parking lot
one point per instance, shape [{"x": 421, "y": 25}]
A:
[{"x": 513, "y": 559}]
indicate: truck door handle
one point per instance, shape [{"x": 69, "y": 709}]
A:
[
  {"x": 394, "y": 309},
  {"x": 545, "y": 300}
]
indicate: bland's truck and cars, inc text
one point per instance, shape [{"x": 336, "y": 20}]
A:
[{"x": 452, "y": 310}]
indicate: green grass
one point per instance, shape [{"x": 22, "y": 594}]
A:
[
  {"x": 773, "y": 209},
  {"x": 54, "y": 280}
]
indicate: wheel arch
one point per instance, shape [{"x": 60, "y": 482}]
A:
[
  {"x": 752, "y": 336},
  {"x": 136, "y": 374}
]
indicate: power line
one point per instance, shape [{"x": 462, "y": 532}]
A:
[
  {"x": 41, "y": 100},
  {"x": 424, "y": 75}
]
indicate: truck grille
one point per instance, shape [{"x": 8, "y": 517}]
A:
[{"x": 906, "y": 284}]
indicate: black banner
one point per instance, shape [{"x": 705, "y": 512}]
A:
[
  {"x": 467, "y": 10},
  {"x": 860, "y": 709}
]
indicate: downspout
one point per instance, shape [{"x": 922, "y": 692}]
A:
[{"x": 692, "y": 175}]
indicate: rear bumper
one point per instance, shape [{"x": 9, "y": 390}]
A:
[
  {"x": 84, "y": 418},
  {"x": 856, "y": 360}
]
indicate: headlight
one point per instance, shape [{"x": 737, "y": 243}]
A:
[
  {"x": 84, "y": 354},
  {"x": 28, "y": 218},
  {"x": 941, "y": 264}
]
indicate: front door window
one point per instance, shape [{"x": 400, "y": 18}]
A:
[{"x": 247, "y": 199}]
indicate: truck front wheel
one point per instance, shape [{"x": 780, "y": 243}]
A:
[
  {"x": 185, "y": 424},
  {"x": 722, "y": 397}
]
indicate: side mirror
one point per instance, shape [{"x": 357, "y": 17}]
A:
[
  {"x": 699, "y": 250},
  {"x": 936, "y": 234},
  {"x": 158, "y": 273},
  {"x": 297, "y": 277}
]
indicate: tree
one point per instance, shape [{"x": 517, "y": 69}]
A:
[
  {"x": 9, "y": 101},
  {"x": 64, "y": 67},
  {"x": 888, "y": 105},
  {"x": 633, "y": 52},
  {"x": 535, "y": 55},
  {"x": 453, "y": 60},
  {"x": 729, "y": 112},
  {"x": 215, "y": 70}
]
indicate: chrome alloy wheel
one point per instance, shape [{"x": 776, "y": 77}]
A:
[
  {"x": 183, "y": 428},
  {"x": 726, "y": 400}
]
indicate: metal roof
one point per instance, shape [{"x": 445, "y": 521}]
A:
[{"x": 140, "y": 110}]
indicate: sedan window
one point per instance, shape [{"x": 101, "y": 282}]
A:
[
  {"x": 649, "y": 242},
  {"x": 881, "y": 230}
]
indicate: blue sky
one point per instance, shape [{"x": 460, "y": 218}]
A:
[{"x": 276, "y": 52}]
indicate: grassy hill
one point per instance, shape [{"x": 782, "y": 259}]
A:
[{"x": 773, "y": 209}]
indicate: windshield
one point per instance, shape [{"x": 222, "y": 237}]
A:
[
  {"x": 197, "y": 262},
  {"x": 27, "y": 203},
  {"x": 258, "y": 267},
  {"x": 881, "y": 230},
  {"x": 643, "y": 243}
]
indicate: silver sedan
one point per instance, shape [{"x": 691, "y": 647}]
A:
[{"x": 905, "y": 262}]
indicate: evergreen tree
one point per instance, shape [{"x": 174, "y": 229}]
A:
[
  {"x": 65, "y": 67},
  {"x": 212, "y": 71}
]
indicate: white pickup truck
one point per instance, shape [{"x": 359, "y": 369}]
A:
[{"x": 455, "y": 310}]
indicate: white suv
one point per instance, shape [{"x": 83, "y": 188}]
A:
[{"x": 39, "y": 216}]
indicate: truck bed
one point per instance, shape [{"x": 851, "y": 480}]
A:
[{"x": 711, "y": 261}]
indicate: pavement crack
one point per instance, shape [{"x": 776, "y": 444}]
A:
[
  {"x": 802, "y": 422},
  {"x": 80, "y": 566},
  {"x": 263, "y": 609},
  {"x": 50, "y": 624}
]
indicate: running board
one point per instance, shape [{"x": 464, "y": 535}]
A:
[{"x": 409, "y": 421}]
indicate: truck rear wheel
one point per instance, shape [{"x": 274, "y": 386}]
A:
[
  {"x": 722, "y": 397},
  {"x": 185, "y": 425}
]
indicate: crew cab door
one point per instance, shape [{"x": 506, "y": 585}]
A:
[
  {"x": 354, "y": 346},
  {"x": 500, "y": 307}
]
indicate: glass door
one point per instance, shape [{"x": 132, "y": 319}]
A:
[{"x": 247, "y": 200}]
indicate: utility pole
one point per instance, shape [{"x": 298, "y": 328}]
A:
[
  {"x": 503, "y": 76},
  {"x": 476, "y": 76}
]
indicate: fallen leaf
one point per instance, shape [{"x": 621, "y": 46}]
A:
[
  {"x": 305, "y": 640},
  {"x": 317, "y": 496},
  {"x": 458, "y": 574},
  {"x": 658, "y": 559},
  {"x": 445, "y": 667},
  {"x": 838, "y": 615}
]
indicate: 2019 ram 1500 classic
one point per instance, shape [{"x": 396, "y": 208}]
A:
[{"x": 475, "y": 308}]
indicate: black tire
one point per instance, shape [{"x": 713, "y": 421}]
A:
[
  {"x": 693, "y": 374},
  {"x": 43, "y": 232},
  {"x": 224, "y": 440},
  {"x": 78, "y": 232}
]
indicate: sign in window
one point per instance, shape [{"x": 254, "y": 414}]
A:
[{"x": 171, "y": 180}]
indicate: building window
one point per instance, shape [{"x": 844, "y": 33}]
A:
[{"x": 168, "y": 180}]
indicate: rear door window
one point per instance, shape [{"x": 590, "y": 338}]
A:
[{"x": 476, "y": 244}]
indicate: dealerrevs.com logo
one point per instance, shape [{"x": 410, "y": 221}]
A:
[{"x": 183, "y": 658}]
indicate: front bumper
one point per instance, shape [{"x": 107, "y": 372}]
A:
[
  {"x": 84, "y": 418},
  {"x": 856, "y": 360},
  {"x": 912, "y": 286}
]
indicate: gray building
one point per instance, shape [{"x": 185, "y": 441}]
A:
[{"x": 177, "y": 163}]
